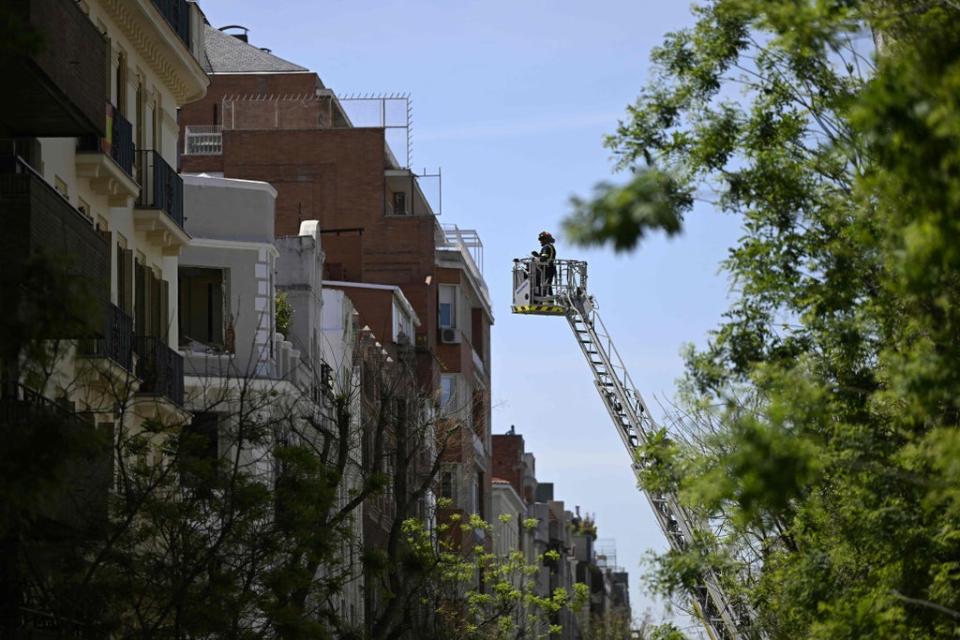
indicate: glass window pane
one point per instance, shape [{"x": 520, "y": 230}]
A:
[{"x": 446, "y": 315}]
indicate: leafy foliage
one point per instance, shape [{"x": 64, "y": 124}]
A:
[
  {"x": 478, "y": 595},
  {"x": 284, "y": 313},
  {"x": 820, "y": 429}
]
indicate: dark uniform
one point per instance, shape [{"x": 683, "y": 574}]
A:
[
  {"x": 548, "y": 257},
  {"x": 546, "y": 268}
]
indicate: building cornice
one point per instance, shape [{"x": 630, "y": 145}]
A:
[
  {"x": 161, "y": 48},
  {"x": 397, "y": 293},
  {"x": 211, "y": 243}
]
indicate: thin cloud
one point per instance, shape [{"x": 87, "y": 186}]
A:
[{"x": 518, "y": 128}]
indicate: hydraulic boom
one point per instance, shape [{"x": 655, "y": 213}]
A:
[{"x": 566, "y": 295}]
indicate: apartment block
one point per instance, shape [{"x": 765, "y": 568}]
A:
[
  {"x": 89, "y": 161},
  {"x": 573, "y": 536},
  {"x": 264, "y": 118},
  {"x": 92, "y": 211}
]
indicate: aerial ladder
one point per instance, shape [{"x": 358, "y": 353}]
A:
[{"x": 566, "y": 295}]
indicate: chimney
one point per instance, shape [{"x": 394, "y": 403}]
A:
[{"x": 241, "y": 35}]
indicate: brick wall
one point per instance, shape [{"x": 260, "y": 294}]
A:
[
  {"x": 507, "y": 460},
  {"x": 335, "y": 176},
  {"x": 375, "y": 307},
  {"x": 208, "y": 110}
]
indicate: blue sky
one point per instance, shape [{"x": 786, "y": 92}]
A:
[{"x": 512, "y": 99}]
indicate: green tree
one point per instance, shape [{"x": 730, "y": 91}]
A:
[
  {"x": 183, "y": 526},
  {"x": 826, "y": 404},
  {"x": 472, "y": 594}
]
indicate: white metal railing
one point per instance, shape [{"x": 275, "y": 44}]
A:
[
  {"x": 568, "y": 281},
  {"x": 203, "y": 140},
  {"x": 469, "y": 239},
  {"x": 468, "y": 243}
]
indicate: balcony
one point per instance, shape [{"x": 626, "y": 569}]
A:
[
  {"x": 60, "y": 86},
  {"x": 20, "y": 405},
  {"x": 108, "y": 162},
  {"x": 405, "y": 194},
  {"x": 115, "y": 343},
  {"x": 177, "y": 15},
  {"x": 41, "y": 230},
  {"x": 79, "y": 499},
  {"x": 159, "y": 209},
  {"x": 160, "y": 369}
]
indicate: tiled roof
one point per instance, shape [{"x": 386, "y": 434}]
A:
[{"x": 225, "y": 54}]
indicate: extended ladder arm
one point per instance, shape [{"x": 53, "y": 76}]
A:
[
  {"x": 539, "y": 292},
  {"x": 635, "y": 426}
]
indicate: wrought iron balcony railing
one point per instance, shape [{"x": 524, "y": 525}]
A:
[
  {"x": 21, "y": 405},
  {"x": 160, "y": 368},
  {"x": 116, "y": 341},
  {"x": 161, "y": 186},
  {"x": 119, "y": 141}
]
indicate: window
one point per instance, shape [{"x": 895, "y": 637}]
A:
[
  {"x": 402, "y": 326},
  {"x": 201, "y": 306},
  {"x": 477, "y": 413},
  {"x": 399, "y": 202},
  {"x": 157, "y": 142},
  {"x": 124, "y": 279},
  {"x": 140, "y": 117},
  {"x": 446, "y": 485},
  {"x": 480, "y": 510},
  {"x": 448, "y": 389},
  {"x": 151, "y": 304},
  {"x": 448, "y": 307},
  {"x": 120, "y": 84}
]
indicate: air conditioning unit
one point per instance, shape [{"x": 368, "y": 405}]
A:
[{"x": 449, "y": 335}]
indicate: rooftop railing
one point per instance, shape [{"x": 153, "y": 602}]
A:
[{"x": 467, "y": 242}]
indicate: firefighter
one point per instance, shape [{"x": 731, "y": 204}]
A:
[{"x": 546, "y": 265}]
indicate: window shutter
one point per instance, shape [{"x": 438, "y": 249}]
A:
[
  {"x": 125, "y": 279},
  {"x": 141, "y": 301},
  {"x": 121, "y": 302},
  {"x": 128, "y": 281},
  {"x": 165, "y": 309},
  {"x": 156, "y": 320}
]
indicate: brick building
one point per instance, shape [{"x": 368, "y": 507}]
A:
[
  {"x": 264, "y": 118},
  {"x": 572, "y": 535}
]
